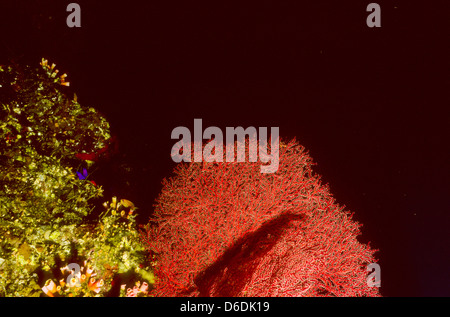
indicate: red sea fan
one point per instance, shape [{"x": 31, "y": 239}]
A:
[{"x": 226, "y": 229}]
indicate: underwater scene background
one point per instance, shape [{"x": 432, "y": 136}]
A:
[{"x": 92, "y": 204}]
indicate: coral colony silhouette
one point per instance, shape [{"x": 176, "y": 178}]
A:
[{"x": 226, "y": 229}]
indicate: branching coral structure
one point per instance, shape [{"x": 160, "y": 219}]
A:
[{"x": 226, "y": 229}]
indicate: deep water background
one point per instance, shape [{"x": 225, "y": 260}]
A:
[{"x": 371, "y": 105}]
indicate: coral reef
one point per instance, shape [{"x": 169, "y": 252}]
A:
[{"x": 46, "y": 207}]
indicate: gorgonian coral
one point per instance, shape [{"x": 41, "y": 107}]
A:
[{"x": 226, "y": 229}]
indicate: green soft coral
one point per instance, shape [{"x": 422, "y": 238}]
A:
[{"x": 43, "y": 204}]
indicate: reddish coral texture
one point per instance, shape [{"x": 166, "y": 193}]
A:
[{"x": 226, "y": 229}]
